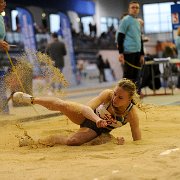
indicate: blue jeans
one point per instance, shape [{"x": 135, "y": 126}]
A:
[{"x": 3, "y": 97}]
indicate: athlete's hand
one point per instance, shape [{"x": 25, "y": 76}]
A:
[
  {"x": 142, "y": 59},
  {"x": 121, "y": 58},
  {"x": 109, "y": 119},
  {"x": 101, "y": 123},
  {"x": 120, "y": 140}
]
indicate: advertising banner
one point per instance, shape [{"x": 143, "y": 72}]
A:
[
  {"x": 27, "y": 29},
  {"x": 65, "y": 32},
  {"x": 28, "y": 37},
  {"x": 175, "y": 16}
]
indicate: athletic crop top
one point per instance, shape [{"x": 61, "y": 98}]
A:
[{"x": 118, "y": 121}]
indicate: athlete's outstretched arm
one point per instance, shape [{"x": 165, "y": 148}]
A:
[{"x": 134, "y": 124}]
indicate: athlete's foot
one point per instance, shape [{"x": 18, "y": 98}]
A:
[{"x": 21, "y": 97}]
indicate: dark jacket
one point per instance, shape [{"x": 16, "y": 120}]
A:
[{"x": 57, "y": 50}]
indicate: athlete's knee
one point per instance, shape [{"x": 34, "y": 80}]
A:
[{"x": 71, "y": 141}]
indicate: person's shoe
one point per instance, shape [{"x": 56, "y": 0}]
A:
[{"x": 20, "y": 97}]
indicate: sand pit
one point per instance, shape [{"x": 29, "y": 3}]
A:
[{"x": 146, "y": 159}]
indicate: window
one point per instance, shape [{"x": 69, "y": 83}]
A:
[
  {"x": 107, "y": 22},
  {"x": 103, "y": 26},
  {"x": 54, "y": 20},
  {"x": 85, "y": 21},
  {"x": 157, "y": 17},
  {"x": 14, "y": 14}
]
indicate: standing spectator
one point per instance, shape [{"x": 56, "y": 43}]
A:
[
  {"x": 80, "y": 69},
  {"x": 90, "y": 29},
  {"x": 130, "y": 45},
  {"x": 177, "y": 42},
  {"x": 56, "y": 50},
  {"x": 100, "y": 65},
  {"x": 94, "y": 27},
  {"x": 3, "y": 45},
  {"x": 116, "y": 35},
  {"x": 108, "y": 71},
  {"x": 81, "y": 28},
  {"x": 107, "y": 64},
  {"x": 18, "y": 27}
]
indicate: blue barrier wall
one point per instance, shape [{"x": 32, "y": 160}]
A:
[{"x": 80, "y": 6}]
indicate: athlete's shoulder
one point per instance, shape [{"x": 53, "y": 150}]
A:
[{"x": 106, "y": 94}]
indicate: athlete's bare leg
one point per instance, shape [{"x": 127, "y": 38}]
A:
[
  {"x": 83, "y": 135},
  {"x": 71, "y": 109}
]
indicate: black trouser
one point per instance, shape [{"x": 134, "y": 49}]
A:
[{"x": 130, "y": 72}]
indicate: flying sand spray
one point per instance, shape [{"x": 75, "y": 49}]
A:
[
  {"x": 14, "y": 70},
  {"x": 21, "y": 71},
  {"x": 50, "y": 72}
]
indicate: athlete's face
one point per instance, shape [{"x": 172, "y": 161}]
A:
[
  {"x": 120, "y": 97},
  {"x": 134, "y": 9}
]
